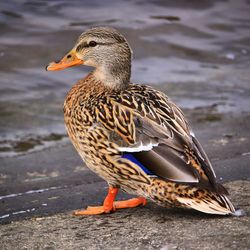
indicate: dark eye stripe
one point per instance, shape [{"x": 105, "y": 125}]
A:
[
  {"x": 86, "y": 45},
  {"x": 80, "y": 47}
]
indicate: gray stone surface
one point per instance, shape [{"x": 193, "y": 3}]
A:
[{"x": 149, "y": 227}]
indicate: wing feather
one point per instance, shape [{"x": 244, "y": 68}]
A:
[{"x": 144, "y": 121}]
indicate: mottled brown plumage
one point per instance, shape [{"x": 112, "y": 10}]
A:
[{"x": 134, "y": 136}]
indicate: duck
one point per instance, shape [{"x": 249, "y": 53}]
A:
[{"x": 132, "y": 135}]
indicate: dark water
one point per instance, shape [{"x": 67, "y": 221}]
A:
[{"x": 196, "y": 51}]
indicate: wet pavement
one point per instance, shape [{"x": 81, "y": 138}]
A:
[{"x": 196, "y": 52}]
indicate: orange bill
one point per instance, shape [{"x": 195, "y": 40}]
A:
[{"x": 68, "y": 61}]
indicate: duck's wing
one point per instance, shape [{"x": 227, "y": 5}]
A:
[{"x": 151, "y": 131}]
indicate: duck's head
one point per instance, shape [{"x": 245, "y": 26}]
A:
[{"x": 103, "y": 48}]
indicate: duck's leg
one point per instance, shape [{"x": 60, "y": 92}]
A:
[
  {"x": 135, "y": 202},
  {"x": 110, "y": 205}
]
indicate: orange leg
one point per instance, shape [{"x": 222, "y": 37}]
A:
[{"x": 109, "y": 205}]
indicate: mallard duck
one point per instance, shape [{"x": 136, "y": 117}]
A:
[{"x": 132, "y": 135}]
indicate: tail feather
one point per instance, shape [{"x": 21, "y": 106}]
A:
[
  {"x": 228, "y": 203},
  {"x": 218, "y": 204}
]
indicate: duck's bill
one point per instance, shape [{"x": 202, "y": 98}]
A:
[{"x": 69, "y": 60}]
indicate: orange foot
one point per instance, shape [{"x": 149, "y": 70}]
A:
[{"x": 109, "y": 205}]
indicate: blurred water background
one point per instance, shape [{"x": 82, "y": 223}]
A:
[{"x": 196, "y": 51}]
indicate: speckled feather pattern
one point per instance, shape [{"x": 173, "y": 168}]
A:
[{"x": 100, "y": 120}]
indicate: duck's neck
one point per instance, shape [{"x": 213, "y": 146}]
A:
[{"x": 115, "y": 76}]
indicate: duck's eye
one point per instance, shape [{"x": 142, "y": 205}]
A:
[{"x": 92, "y": 44}]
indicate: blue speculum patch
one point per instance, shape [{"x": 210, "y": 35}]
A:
[{"x": 134, "y": 160}]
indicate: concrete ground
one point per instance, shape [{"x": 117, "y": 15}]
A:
[{"x": 149, "y": 227}]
